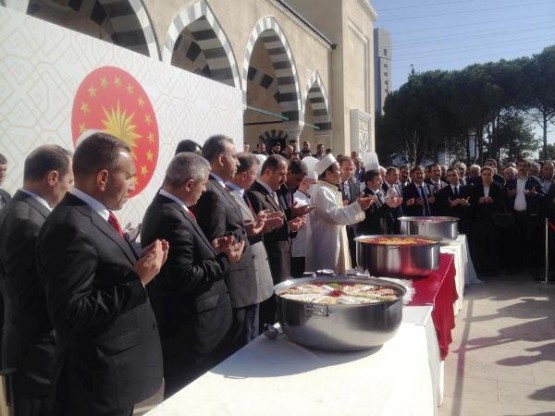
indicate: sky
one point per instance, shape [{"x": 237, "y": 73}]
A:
[{"x": 450, "y": 34}]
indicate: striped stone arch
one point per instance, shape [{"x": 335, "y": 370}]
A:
[
  {"x": 268, "y": 31},
  {"x": 317, "y": 96},
  {"x": 129, "y": 26},
  {"x": 264, "y": 80},
  {"x": 209, "y": 52}
]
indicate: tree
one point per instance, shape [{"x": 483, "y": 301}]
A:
[
  {"x": 514, "y": 136},
  {"x": 540, "y": 90}
]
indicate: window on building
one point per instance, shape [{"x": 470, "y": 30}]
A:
[{"x": 385, "y": 52}]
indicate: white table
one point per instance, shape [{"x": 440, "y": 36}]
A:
[
  {"x": 422, "y": 316},
  {"x": 465, "y": 272},
  {"x": 278, "y": 377}
]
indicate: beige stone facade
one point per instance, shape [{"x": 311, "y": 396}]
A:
[{"x": 305, "y": 67}]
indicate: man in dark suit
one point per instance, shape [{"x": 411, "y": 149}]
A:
[
  {"x": 417, "y": 195},
  {"x": 350, "y": 190},
  {"x": 28, "y": 341},
  {"x": 190, "y": 298},
  {"x": 379, "y": 217},
  {"x": 107, "y": 346},
  {"x": 262, "y": 196},
  {"x": 454, "y": 201},
  {"x": 5, "y": 196},
  {"x": 261, "y": 223},
  {"x": 296, "y": 171},
  {"x": 392, "y": 189},
  {"x": 218, "y": 214},
  {"x": 525, "y": 199}
]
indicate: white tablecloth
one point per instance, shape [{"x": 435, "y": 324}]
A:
[
  {"x": 422, "y": 316},
  {"x": 465, "y": 272},
  {"x": 278, "y": 377}
]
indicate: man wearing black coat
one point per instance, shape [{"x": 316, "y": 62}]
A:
[
  {"x": 418, "y": 196},
  {"x": 108, "y": 355},
  {"x": 525, "y": 199},
  {"x": 454, "y": 201},
  {"x": 28, "y": 341},
  {"x": 189, "y": 296},
  {"x": 379, "y": 218},
  {"x": 219, "y": 214}
]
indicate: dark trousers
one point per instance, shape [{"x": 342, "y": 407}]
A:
[
  {"x": 297, "y": 266},
  {"x": 352, "y": 246},
  {"x": 26, "y": 405},
  {"x": 527, "y": 250},
  {"x": 267, "y": 313},
  {"x": 245, "y": 325}
]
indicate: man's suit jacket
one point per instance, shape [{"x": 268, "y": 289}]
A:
[
  {"x": 354, "y": 190},
  {"x": 106, "y": 332},
  {"x": 411, "y": 191},
  {"x": 441, "y": 185},
  {"x": 397, "y": 212},
  {"x": 285, "y": 198},
  {"x": 5, "y": 198},
  {"x": 378, "y": 219},
  {"x": 217, "y": 214},
  {"x": 264, "y": 282},
  {"x": 189, "y": 296},
  {"x": 534, "y": 203},
  {"x": 28, "y": 339},
  {"x": 445, "y": 195},
  {"x": 277, "y": 242}
]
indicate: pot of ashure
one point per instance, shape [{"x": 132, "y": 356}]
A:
[
  {"x": 339, "y": 313},
  {"x": 446, "y": 228},
  {"x": 405, "y": 256}
]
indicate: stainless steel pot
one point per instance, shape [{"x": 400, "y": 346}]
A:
[
  {"x": 397, "y": 260},
  {"x": 339, "y": 327},
  {"x": 446, "y": 228}
]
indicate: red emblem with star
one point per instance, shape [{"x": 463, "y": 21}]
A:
[{"x": 111, "y": 100}]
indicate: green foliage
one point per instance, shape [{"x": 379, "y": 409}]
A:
[{"x": 437, "y": 111}]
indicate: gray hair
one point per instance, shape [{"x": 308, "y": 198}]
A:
[
  {"x": 246, "y": 162},
  {"x": 215, "y": 146},
  {"x": 185, "y": 166}
]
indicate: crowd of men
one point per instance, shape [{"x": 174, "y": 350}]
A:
[{"x": 92, "y": 325}]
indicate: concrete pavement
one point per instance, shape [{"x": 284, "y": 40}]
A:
[{"x": 502, "y": 359}]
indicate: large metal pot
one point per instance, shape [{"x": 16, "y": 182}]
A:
[
  {"x": 339, "y": 327},
  {"x": 401, "y": 260},
  {"x": 446, "y": 228}
]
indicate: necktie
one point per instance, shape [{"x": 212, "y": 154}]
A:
[
  {"x": 436, "y": 187},
  {"x": 113, "y": 221},
  {"x": 192, "y": 214},
  {"x": 381, "y": 199},
  {"x": 456, "y": 191},
  {"x": 275, "y": 198},
  {"x": 346, "y": 191},
  {"x": 425, "y": 199},
  {"x": 248, "y": 202}
]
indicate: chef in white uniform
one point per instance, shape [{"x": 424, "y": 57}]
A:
[{"x": 326, "y": 241}]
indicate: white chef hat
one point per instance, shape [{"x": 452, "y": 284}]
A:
[{"x": 324, "y": 163}]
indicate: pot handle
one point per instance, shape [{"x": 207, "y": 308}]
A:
[{"x": 316, "y": 310}]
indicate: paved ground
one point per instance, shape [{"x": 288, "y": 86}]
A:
[{"x": 502, "y": 359}]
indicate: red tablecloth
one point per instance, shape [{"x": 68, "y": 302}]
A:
[{"x": 438, "y": 289}]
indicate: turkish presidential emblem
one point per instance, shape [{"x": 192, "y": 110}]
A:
[{"x": 111, "y": 100}]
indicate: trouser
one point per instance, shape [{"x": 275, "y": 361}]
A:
[{"x": 297, "y": 266}]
